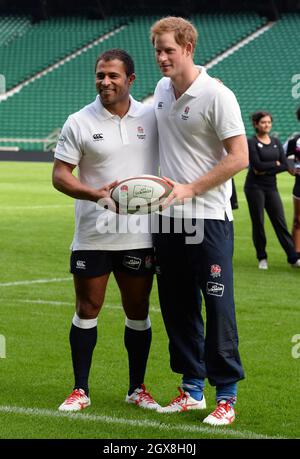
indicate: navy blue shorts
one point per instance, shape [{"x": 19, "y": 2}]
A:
[{"x": 95, "y": 263}]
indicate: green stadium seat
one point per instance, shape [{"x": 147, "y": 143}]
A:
[{"x": 259, "y": 73}]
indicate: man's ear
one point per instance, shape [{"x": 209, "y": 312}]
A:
[
  {"x": 189, "y": 49},
  {"x": 131, "y": 78}
]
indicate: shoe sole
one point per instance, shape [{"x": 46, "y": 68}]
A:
[
  {"x": 179, "y": 411},
  {"x": 190, "y": 408},
  {"x": 186, "y": 408},
  {"x": 82, "y": 407},
  {"x": 214, "y": 424},
  {"x": 132, "y": 402}
]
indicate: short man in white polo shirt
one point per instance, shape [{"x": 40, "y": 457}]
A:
[
  {"x": 202, "y": 144},
  {"x": 112, "y": 138}
]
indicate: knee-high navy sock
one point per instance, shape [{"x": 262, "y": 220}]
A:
[
  {"x": 83, "y": 338},
  {"x": 137, "y": 340}
]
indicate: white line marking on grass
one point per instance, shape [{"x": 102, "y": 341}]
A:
[
  {"x": 67, "y": 303},
  {"x": 52, "y": 303},
  {"x": 140, "y": 423},
  {"x": 35, "y": 281}
]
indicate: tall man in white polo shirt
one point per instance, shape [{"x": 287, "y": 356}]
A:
[
  {"x": 112, "y": 138},
  {"x": 202, "y": 144}
]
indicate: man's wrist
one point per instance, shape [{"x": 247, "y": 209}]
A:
[{"x": 196, "y": 188}]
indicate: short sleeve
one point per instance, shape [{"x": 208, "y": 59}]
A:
[
  {"x": 226, "y": 115},
  {"x": 69, "y": 145}
]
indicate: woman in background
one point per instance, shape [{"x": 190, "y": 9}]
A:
[
  {"x": 292, "y": 147},
  {"x": 266, "y": 159}
]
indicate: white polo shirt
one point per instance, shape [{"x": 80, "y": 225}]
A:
[
  {"x": 105, "y": 148},
  {"x": 191, "y": 130}
]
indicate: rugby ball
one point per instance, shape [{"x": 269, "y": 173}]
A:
[{"x": 142, "y": 194}]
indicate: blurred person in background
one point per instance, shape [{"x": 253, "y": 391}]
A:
[
  {"x": 266, "y": 160},
  {"x": 292, "y": 147}
]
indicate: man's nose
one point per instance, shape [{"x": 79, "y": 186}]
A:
[
  {"x": 105, "y": 81},
  {"x": 162, "y": 57}
]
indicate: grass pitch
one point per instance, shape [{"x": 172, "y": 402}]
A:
[{"x": 36, "y": 375}]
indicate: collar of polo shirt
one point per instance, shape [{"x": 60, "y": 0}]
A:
[
  {"x": 194, "y": 88},
  {"x": 104, "y": 114}
]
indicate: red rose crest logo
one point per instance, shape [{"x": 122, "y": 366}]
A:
[
  {"x": 215, "y": 270},
  {"x": 185, "y": 114},
  {"x": 141, "y": 133}
]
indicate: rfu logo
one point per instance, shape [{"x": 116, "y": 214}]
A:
[
  {"x": 98, "y": 137},
  {"x": 123, "y": 192},
  {"x": 148, "y": 262},
  {"x": 141, "y": 133},
  {"x": 185, "y": 114},
  {"x": 215, "y": 270}
]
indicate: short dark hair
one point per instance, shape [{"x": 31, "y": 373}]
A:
[
  {"x": 257, "y": 116},
  {"x": 121, "y": 55},
  {"x": 298, "y": 113}
]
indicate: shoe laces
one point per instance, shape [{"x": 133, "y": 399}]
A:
[
  {"x": 221, "y": 410},
  {"x": 76, "y": 394},
  {"x": 145, "y": 395},
  {"x": 179, "y": 398}
]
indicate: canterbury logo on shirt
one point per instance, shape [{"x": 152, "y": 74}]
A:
[
  {"x": 61, "y": 140},
  {"x": 98, "y": 136}
]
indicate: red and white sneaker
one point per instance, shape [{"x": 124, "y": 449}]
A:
[
  {"x": 183, "y": 402},
  {"x": 223, "y": 415},
  {"x": 76, "y": 401},
  {"x": 142, "y": 398}
]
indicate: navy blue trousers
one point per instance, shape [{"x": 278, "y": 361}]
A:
[{"x": 185, "y": 273}]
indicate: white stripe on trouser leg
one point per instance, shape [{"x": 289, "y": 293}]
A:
[
  {"x": 84, "y": 323},
  {"x": 138, "y": 325}
]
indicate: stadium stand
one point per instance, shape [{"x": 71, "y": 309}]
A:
[
  {"x": 261, "y": 74},
  {"x": 12, "y": 27},
  {"x": 218, "y": 32},
  {"x": 48, "y": 41},
  {"x": 42, "y": 106}
]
